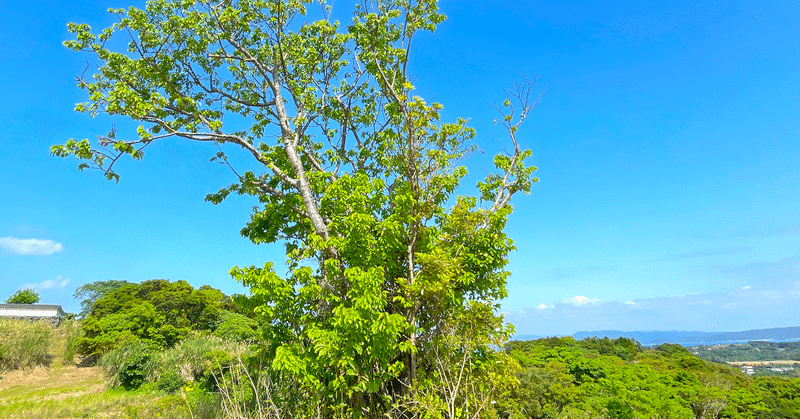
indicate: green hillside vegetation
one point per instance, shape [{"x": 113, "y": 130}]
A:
[
  {"x": 206, "y": 374},
  {"x": 158, "y": 312},
  {"x": 751, "y": 351},
  {"x": 155, "y": 349},
  {"x": 562, "y": 377},
  {"x": 39, "y": 379}
]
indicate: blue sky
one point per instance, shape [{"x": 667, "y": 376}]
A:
[{"x": 668, "y": 147}]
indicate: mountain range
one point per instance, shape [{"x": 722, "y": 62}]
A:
[{"x": 689, "y": 338}]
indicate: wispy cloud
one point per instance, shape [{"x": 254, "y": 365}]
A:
[
  {"x": 57, "y": 282},
  {"x": 715, "y": 252},
  {"x": 30, "y": 246},
  {"x": 580, "y": 300}
]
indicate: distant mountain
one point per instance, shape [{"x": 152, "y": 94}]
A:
[{"x": 692, "y": 338}]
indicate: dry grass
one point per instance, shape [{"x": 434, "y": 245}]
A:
[
  {"x": 75, "y": 392},
  {"x": 59, "y": 388},
  {"x": 24, "y": 344}
]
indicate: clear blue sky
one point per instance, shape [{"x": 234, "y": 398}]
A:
[{"x": 668, "y": 147}]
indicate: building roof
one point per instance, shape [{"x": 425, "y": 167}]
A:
[{"x": 33, "y": 307}]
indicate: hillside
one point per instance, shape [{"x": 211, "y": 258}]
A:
[
  {"x": 751, "y": 351},
  {"x": 60, "y": 388},
  {"x": 564, "y": 377}
]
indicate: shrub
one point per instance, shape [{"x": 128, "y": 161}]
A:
[
  {"x": 203, "y": 404},
  {"x": 138, "y": 361},
  {"x": 189, "y": 358},
  {"x": 170, "y": 382},
  {"x": 130, "y": 365},
  {"x": 24, "y": 344},
  {"x": 236, "y": 327}
]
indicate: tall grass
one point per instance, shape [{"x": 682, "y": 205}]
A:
[
  {"x": 217, "y": 378},
  {"x": 252, "y": 392},
  {"x": 24, "y": 344},
  {"x": 66, "y": 337}
]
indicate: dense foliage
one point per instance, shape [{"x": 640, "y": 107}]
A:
[
  {"x": 562, "y": 377},
  {"x": 158, "y": 312},
  {"x": 88, "y": 294},
  {"x": 26, "y": 296}
]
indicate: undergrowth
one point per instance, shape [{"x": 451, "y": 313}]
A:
[{"x": 24, "y": 344}]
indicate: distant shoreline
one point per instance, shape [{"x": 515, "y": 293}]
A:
[{"x": 689, "y": 338}]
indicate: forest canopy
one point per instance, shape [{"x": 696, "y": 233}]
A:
[{"x": 157, "y": 311}]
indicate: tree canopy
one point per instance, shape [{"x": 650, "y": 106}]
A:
[
  {"x": 90, "y": 293},
  {"x": 25, "y": 296},
  {"x": 562, "y": 377},
  {"x": 394, "y": 276},
  {"x": 158, "y": 311}
]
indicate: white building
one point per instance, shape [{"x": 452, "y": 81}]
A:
[{"x": 52, "y": 313}]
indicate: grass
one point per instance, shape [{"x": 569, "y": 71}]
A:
[
  {"x": 80, "y": 392},
  {"x": 24, "y": 344},
  {"x": 40, "y": 379},
  {"x": 44, "y": 382}
]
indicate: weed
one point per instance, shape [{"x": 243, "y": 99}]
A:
[{"x": 24, "y": 344}]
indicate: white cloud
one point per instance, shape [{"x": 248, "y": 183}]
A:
[
  {"x": 630, "y": 303},
  {"x": 30, "y": 246},
  {"x": 581, "y": 300},
  {"x": 542, "y": 306},
  {"x": 746, "y": 287},
  {"x": 57, "y": 282}
]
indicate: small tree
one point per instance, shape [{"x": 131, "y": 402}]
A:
[
  {"x": 26, "y": 296},
  {"x": 355, "y": 176}
]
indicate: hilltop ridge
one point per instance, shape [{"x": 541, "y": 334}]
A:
[{"x": 689, "y": 338}]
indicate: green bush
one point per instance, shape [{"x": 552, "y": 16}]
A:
[
  {"x": 138, "y": 362},
  {"x": 189, "y": 358},
  {"x": 236, "y": 327},
  {"x": 24, "y": 344},
  {"x": 203, "y": 404},
  {"x": 170, "y": 382},
  {"x": 130, "y": 365},
  {"x": 618, "y": 409}
]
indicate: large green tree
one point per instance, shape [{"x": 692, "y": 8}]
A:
[
  {"x": 392, "y": 277},
  {"x": 158, "y": 311}
]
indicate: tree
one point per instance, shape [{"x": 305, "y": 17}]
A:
[
  {"x": 90, "y": 293},
  {"x": 157, "y": 311},
  {"x": 26, "y": 296},
  {"x": 355, "y": 176}
]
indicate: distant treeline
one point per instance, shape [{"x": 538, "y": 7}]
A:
[
  {"x": 752, "y": 351},
  {"x": 568, "y": 378},
  {"x": 692, "y": 338}
]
